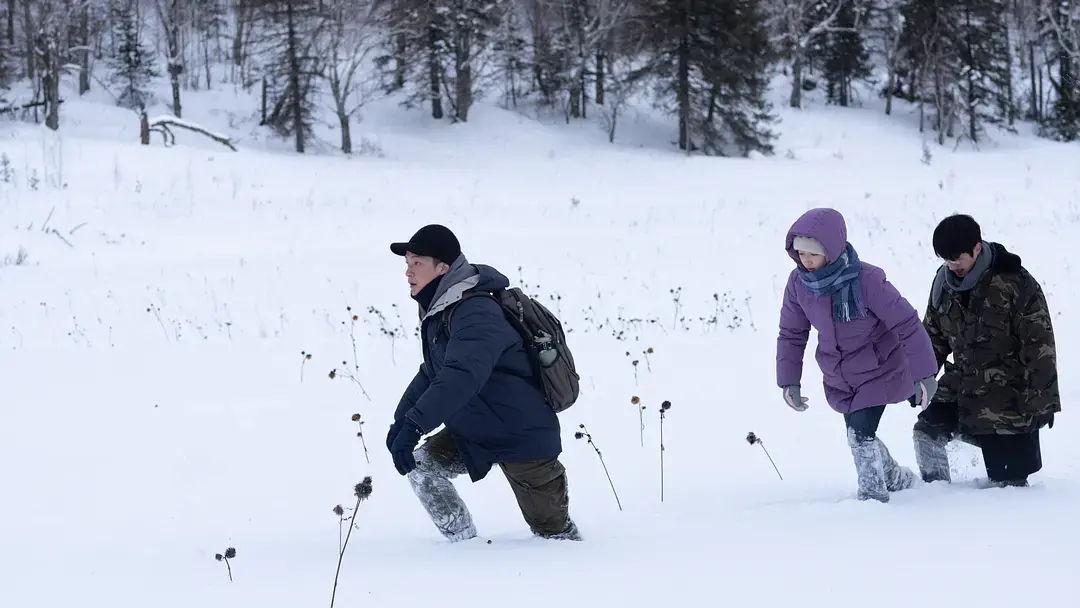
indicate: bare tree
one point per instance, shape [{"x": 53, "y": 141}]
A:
[
  {"x": 796, "y": 24},
  {"x": 349, "y": 36},
  {"x": 171, "y": 15},
  {"x": 891, "y": 30},
  {"x": 49, "y": 52},
  {"x": 619, "y": 87}
]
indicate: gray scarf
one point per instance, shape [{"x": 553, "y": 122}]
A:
[{"x": 947, "y": 279}]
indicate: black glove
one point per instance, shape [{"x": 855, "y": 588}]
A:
[
  {"x": 394, "y": 428},
  {"x": 401, "y": 449},
  {"x": 1037, "y": 422}
]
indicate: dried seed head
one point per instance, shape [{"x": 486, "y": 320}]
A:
[
  {"x": 579, "y": 435},
  {"x": 356, "y": 417},
  {"x": 230, "y": 553},
  {"x": 635, "y": 400},
  {"x": 308, "y": 356},
  {"x": 634, "y": 362},
  {"x": 650, "y": 350},
  {"x": 362, "y": 491},
  {"x": 339, "y": 510},
  {"x": 751, "y": 438},
  {"x": 665, "y": 406},
  {"x": 355, "y": 318},
  {"x": 333, "y": 374},
  {"x": 218, "y": 556}
]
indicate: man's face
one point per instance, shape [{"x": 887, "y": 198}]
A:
[
  {"x": 963, "y": 264},
  {"x": 421, "y": 270}
]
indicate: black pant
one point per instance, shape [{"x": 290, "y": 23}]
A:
[
  {"x": 1007, "y": 457},
  {"x": 864, "y": 423}
]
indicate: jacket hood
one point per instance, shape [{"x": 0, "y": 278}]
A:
[
  {"x": 464, "y": 277},
  {"x": 824, "y": 224},
  {"x": 1005, "y": 260}
]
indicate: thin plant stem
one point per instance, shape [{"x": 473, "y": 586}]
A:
[
  {"x": 584, "y": 433},
  {"x": 341, "y": 554},
  {"x": 661, "y": 457},
  {"x": 611, "y": 483},
  {"x": 770, "y": 460},
  {"x": 664, "y": 407},
  {"x": 641, "y": 424},
  {"x": 363, "y": 443}
]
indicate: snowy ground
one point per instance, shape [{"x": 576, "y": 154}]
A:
[{"x": 155, "y": 409}]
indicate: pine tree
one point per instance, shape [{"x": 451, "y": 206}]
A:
[
  {"x": 7, "y": 72},
  {"x": 133, "y": 67},
  {"x": 844, "y": 55},
  {"x": 986, "y": 60},
  {"x": 928, "y": 41},
  {"x": 449, "y": 39},
  {"x": 510, "y": 49},
  {"x": 709, "y": 59},
  {"x": 1059, "y": 25},
  {"x": 292, "y": 66}
]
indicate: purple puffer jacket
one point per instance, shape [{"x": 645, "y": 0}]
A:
[{"x": 873, "y": 360}]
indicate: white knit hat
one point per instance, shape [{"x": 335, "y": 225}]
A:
[{"x": 808, "y": 244}]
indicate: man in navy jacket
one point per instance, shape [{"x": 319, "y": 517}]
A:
[{"x": 477, "y": 380}]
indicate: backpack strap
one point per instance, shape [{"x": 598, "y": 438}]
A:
[{"x": 450, "y": 309}]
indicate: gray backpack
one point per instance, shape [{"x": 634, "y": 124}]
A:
[{"x": 544, "y": 340}]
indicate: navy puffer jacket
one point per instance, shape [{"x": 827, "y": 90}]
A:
[{"x": 478, "y": 380}]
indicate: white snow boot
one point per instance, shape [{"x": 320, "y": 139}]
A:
[
  {"x": 870, "y": 468},
  {"x": 931, "y": 456},
  {"x": 897, "y": 477}
]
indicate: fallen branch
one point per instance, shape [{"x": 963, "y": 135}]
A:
[
  {"x": 27, "y": 106},
  {"x": 162, "y": 125}
]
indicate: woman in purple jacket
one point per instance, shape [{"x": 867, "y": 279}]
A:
[{"x": 872, "y": 347}]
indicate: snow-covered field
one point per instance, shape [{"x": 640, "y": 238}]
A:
[{"x": 156, "y": 407}]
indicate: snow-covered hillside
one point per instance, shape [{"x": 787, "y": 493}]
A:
[{"x": 157, "y": 406}]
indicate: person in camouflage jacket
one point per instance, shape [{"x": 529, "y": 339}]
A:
[{"x": 988, "y": 312}]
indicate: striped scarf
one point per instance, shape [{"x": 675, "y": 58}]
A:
[{"x": 839, "y": 279}]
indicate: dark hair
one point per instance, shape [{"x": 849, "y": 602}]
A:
[{"x": 956, "y": 235}]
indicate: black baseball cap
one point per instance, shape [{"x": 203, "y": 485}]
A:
[{"x": 432, "y": 240}]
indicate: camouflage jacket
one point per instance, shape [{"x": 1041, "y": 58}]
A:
[{"x": 1003, "y": 377}]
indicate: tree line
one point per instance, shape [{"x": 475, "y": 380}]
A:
[{"x": 967, "y": 65}]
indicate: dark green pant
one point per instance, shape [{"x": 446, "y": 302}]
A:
[{"x": 539, "y": 486}]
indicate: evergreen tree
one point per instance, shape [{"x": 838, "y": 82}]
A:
[
  {"x": 7, "y": 71},
  {"x": 928, "y": 42},
  {"x": 845, "y": 58},
  {"x": 133, "y": 67},
  {"x": 709, "y": 60},
  {"x": 439, "y": 47},
  {"x": 1059, "y": 26},
  {"x": 986, "y": 63},
  {"x": 291, "y": 67}
]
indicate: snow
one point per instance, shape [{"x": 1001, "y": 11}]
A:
[{"x": 154, "y": 412}]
